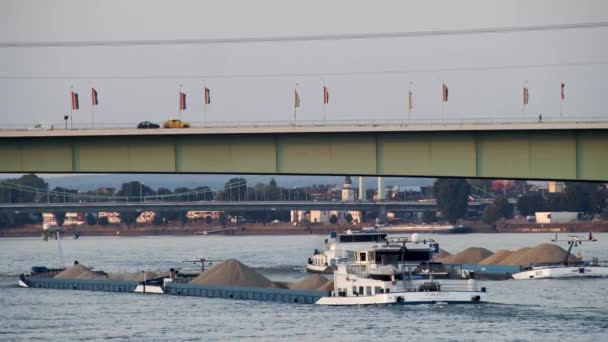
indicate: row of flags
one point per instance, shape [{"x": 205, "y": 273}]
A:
[
  {"x": 297, "y": 101},
  {"x": 182, "y": 98}
]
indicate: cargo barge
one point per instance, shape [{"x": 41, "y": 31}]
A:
[{"x": 174, "y": 283}]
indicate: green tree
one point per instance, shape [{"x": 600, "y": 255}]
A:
[
  {"x": 59, "y": 218},
  {"x": 505, "y": 209},
  {"x": 274, "y": 193},
  {"x": 6, "y": 220},
  {"x": 499, "y": 209},
  {"x": 164, "y": 194},
  {"x": 579, "y": 196},
  {"x": 333, "y": 219},
  {"x": 529, "y": 204},
  {"x": 204, "y": 193},
  {"x": 491, "y": 214},
  {"x": 235, "y": 189},
  {"x": 135, "y": 191},
  {"x": 429, "y": 216},
  {"x": 183, "y": 219},
  {"x": 452, "y": 198},
  {"x": 91, "y": 219},
  {"x": 223, "y": 220},
  {"x": 128, "y": 218},
  {"x": 182, "y": 194},
  {"x": 557, "y": 202},
  {"x": 157, "y": 220},
  {"x": 349, "y": 218}
]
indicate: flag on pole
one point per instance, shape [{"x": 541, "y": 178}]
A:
[
  {"x": 296, "y": 99},
  {"x": 94, "y": 99},
  {"x": 75, "y": 104},
  {"x": 444, "y": 93},
  {"x": 526, "y": 95},
  {"x": 182, "y": 101},
  {"x": 410, "y": 100},
  {"x": 325, "y": 95},
  {"x": 207, "y": 96},
  {"x": 562, "y": 92}
]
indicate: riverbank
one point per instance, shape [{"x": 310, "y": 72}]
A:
[
  {"x": 511, "y": 226},
  {"x": 186, "y": 230}
]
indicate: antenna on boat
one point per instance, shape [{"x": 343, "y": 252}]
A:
[
  {"x": 573, "y": 241},
  {"x": 46, "y": 232}
]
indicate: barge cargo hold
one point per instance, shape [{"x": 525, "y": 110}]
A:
[{"x": 177, "y": 289}]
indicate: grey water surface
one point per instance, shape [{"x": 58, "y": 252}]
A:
[{"x": 546, "y": 310}]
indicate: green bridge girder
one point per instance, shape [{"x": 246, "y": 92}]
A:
[{"x": 576, "y": 154}]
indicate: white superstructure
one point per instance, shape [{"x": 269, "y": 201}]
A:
[
  {"x": 339, "y": 248},
  {"x": 387, "y": 275}
]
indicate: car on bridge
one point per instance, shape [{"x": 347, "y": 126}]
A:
[
  {"x": 147, "y": 124},
  {"x": 174, "y": 123}
]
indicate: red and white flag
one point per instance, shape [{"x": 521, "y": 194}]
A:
[
  {"x": 207, "y": 96},
  {"x": 75, "y": 104},
  {"x": 94, "y": 99},
  {"x": 182, "y": 101}
]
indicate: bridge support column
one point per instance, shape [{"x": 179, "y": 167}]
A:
[
  {"x": 362, "y": 195},
  {"x": 381, "y": 213},
  {"x": 380, "y": 189}
]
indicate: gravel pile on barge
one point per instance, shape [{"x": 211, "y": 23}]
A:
[
  {"x": 545, "y": 253},
  {"x": 234, "y": 273},
  {"x": 80, "y": 272},
  {"x": 471, "y": 255},
  {"x": 313, "y": 282},
  {"x": 497, "y": 257}
]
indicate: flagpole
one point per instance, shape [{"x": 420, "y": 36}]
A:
[
  {"x": 72, "y": 106},
  {"x": 295, "y": 106},
  {"x": 561, "y": 101},
  {"x": 180, "y": 102},
  {"x": 527, "y": 97},
  {"x": 92, "y": 109},
  {"x": 409, "y": 102},
  {"x": 324, "y": 104},
  {"x": 204, "y": 103},
  {"x": 443, "y": 102}
]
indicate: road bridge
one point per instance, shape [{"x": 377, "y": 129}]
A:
[
  {"x": 229, "y": 206},
  {"x": 551, "y": 150}
]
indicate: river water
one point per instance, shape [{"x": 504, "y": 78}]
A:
[{"x": 521, "y": 310}]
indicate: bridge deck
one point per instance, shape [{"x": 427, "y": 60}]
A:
[{"x": 262, "y": 128}]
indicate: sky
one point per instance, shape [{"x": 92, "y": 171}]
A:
[{"x": 368, "y": 79}]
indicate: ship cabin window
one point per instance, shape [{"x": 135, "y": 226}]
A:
[
  {"x": 355, "y": 293},
  {"x": 361, "y": 290},
  {"x": 370, "y": 237},
  {"x": 362, "y": 256},
  {"x": 394, "y": 256},
  {"x": 368, "y": 290},
  {"x": 378, "y": 289}
]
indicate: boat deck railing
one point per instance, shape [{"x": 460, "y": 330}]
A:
[{"x": 451, "y": 286}]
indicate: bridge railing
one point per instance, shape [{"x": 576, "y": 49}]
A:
[{"x": 531, "y": 118}]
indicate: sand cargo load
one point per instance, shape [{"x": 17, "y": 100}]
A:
[{"x": 229, "y": 279}]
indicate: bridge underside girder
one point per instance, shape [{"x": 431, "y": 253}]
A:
[{"x": 565, "y": 154}]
